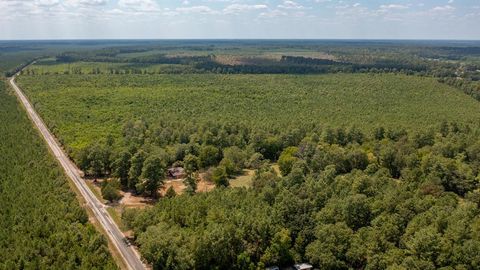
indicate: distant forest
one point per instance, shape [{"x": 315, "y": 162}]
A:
[{"x": 454, "y": 63}]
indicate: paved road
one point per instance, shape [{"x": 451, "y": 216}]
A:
[{"x": 128, "y": 253}]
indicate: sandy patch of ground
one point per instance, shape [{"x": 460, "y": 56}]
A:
[
  {"x": 276, "y": 168},
  {"x": 131, "y": 200},
  {"x": 204, "y": 186},
  {"x": 179, "y": 187}
]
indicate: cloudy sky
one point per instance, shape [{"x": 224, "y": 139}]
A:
[{"x": 152, "y": 19}]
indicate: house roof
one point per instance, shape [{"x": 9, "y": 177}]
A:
[
  {"x": 176, "y": 171},
  {"x": 303, "y": 266}
]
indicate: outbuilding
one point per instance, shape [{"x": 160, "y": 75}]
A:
[
  {"x": 303, "y": 266},
  {"x": 176, "y": 173}
]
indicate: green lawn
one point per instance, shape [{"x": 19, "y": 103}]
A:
[
  {"x": 85, "y": 108},
  {"x": 243, "y": 180}
]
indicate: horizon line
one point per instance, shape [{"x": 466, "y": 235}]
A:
[{"x": 240, "y": 39}]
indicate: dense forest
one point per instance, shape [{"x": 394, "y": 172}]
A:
[
  {"x": 111, "y": 125},
  {"x": 81, "y": 108},
  {"x": 408, "y": 202},
  {"x": 42, "y": 225}
]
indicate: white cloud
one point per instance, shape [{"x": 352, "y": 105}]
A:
[
  {"x": 237, "y": 8},
  {"x": 356, "y": 11},
  {"x": 26, "y": 7},
  {"x": 272, "y": 14},
  {"x": 46, "y": 3},
  {"x": 287, "y": 4},
  {"x": 446, "y": 8},
  {"x": 87, "y": 3},
  {"x": 139, "y": 5},
  {"x": 196, "y": 9},
  {"x": 393, "y": 6}
]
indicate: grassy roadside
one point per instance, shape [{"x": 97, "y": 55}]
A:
[
  {"x": 95, "y": 190},
  {"x": 116, "y": 216},
  {"x": 113, "y": 250}
]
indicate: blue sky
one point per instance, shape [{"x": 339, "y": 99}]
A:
[{"x": 323, "y": 19}]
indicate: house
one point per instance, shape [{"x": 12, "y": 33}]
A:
[
  {"x": 176, "y": 173},
  {"x": 303, "y": 266}
]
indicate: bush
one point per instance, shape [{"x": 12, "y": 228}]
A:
[
  {"x": 220, "y": 176},
  {"x": 170, "y": 193},
  {"x": 110, "y": 191},
  {"x": 287, "y": 159}
]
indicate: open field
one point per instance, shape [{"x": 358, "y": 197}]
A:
[
  {"x": 42, "y": 225},
  {"x": 82, "y": 109}
]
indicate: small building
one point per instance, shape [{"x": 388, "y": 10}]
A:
[
  {"x": 176, "y": 173},
  {"x": 303, "y": 266}
]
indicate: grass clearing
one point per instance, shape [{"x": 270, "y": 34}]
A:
[
  {"x": 244, "y": 180},
  {"x": 276, "y": 168}
]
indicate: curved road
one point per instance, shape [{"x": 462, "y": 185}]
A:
[{"x": 129, "y": 255}]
